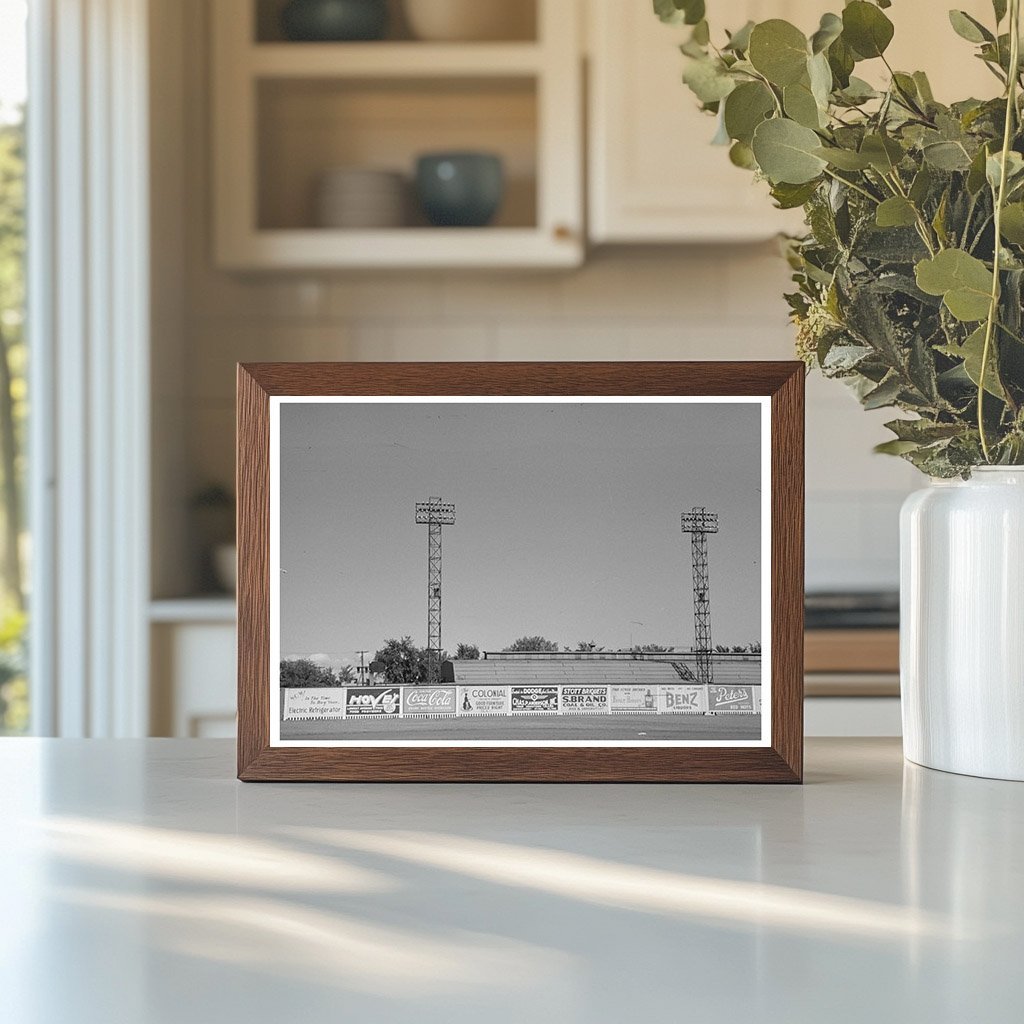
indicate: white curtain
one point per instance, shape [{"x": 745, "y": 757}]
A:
[{"x": 88, "y": 317}]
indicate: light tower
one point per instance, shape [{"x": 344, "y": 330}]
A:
[
  {"x": 699, "y": 522},
  {"x": 435, "y": 513}
]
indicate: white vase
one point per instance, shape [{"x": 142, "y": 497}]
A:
[{"x": 962, "y": 624}]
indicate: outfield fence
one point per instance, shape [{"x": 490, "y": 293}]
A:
[{"x": 518, "y": 700}]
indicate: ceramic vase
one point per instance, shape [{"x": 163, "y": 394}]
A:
[{"x": 962, "y": 624}]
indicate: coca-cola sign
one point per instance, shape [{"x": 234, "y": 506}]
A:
[{"x": 428, "y": 700}]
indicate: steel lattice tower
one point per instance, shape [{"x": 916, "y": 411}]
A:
[
  {"x": 699, "y": 522},
  {"x": 435, "y": 513}
]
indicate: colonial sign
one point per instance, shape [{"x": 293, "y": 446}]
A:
[{"x": 483, "y": 700}]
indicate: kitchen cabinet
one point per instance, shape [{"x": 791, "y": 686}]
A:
[
  {"x": 287, "y": 113},
  {"x": 653, "y": 175}
]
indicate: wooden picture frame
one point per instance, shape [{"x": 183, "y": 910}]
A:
[{"x": 780, "y": 759}]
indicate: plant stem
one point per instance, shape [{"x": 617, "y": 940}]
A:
[
  {"x": 993, "y": 309},
  {"x": 856, "y": 188}
]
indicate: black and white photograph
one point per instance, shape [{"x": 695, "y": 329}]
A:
[{"x": 519, "y": 572}]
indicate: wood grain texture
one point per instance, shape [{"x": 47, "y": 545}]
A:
[{"x": 782, "y": 762}]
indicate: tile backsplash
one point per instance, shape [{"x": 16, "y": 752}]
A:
[{"x": 699, "y": 303}]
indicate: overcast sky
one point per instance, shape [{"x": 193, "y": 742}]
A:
[{"x": 567, "y": 522}]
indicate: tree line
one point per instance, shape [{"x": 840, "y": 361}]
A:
[{"x": 402, "y": 663}]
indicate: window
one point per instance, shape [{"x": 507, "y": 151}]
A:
[{"x": 14, "y": 547}]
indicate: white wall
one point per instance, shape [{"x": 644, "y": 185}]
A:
[{"x": 656, "y": 303}]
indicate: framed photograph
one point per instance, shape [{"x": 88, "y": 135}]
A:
[{"x": 529, "y": 572}]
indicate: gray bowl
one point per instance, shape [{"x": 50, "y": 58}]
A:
[
  {"x": 461, "y": 190},
  {"x": 334, "y": 20}
]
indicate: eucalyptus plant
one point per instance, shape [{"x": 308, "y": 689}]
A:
[{"x": 910, "y": 278}]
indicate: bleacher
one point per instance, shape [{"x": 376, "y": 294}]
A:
[{"x": 573, "y": 671}]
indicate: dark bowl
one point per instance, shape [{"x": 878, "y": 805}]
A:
[
  {"x": 333, "y": 21},
  {"x": 461, "y": 190}
]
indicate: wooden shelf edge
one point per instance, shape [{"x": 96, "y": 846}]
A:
[{"x": 392, "y": 60}]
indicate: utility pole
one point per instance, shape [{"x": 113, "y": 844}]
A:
[
  {"x": 362, "y": 667},
  {"x": 435, "y": 513},
  {"x": 699, "y": 522}
]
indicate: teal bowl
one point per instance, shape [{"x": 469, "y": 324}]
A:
[
  {"x": 334, "y": 21},
  {"x": 460, "y": 190}
]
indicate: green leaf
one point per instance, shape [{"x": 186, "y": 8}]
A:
[
  {"x": 708, "y": 80},
  {"x": 785, "y": 152},
  {"x": 739, "y": 41},
  {"x": 829, "y": 30},
  {"x": 924, "y": 87},
  {"x": 946, "y": 156},
  {"x": 778, "y": 50},
  {"x": 883, "y": 153},
  {"x": 999, "y": 7},
  {"x": 885, "y": 394},
  {"x": 971, "y": 352},
  {"x": 866, "y": 29},
  {"x": 820, "y": 76},
  {"x": 963, "y": 281},
  {"x": 841, "y": 60},
  {"x": 969, "y": 28},
  {"x": 1014, "y": 169},
  {"x": 896, "y": 212},
  {"x": 921, "y": 185},
  {"x": 745, "y": 108},
  {"x": 789, "y": 197},
  {"x": 1012, "y": 225},
  {"x": 895, "y": 447},
  {"x": 844, "y": 159},
  {"x": 976, "y": 173},
  {"x": 741, "y": 155},
  {"x": 676, "y": 12},
  {"x": 800, "y": 105}
]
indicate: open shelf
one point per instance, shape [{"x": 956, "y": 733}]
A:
[
  {"x": 287, "y": 113},
  {"x": 308, "y": 127}
]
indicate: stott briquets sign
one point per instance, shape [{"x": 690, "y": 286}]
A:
[
  {"x": 373, "y": 700},
  {"x": 584, "y": 698},
  {"x": 428, "y": 700}
]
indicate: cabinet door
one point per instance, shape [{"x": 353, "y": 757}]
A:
[{"x": 654, "y": 177}]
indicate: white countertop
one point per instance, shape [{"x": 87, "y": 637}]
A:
[{"x": 143, "y": 885}]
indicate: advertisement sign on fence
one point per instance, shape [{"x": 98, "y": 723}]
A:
[
  {"x": 632, "y": 698},
  {"x": 681, "y": 700},
  {"x": 585, "y": 698},
  {"x": 314, "y": 703},
  {"x": 534, "y": 698},
  {"x": 730, "y": 698},
  {"x": 372, "y": 700},
  {"x": 483, "y": 700},
  {"x": 428, "y": 700}
]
